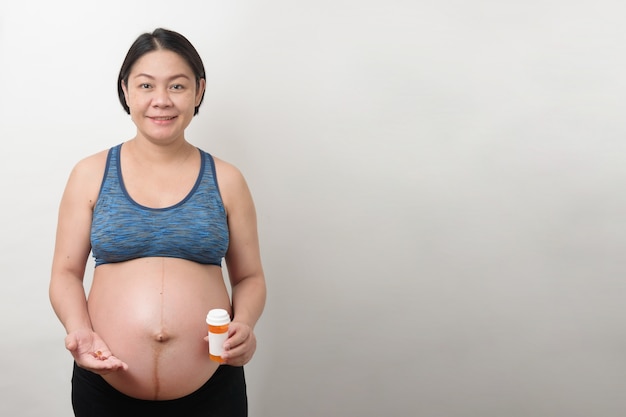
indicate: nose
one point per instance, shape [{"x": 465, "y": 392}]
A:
[{"x": 161, "y": 98}]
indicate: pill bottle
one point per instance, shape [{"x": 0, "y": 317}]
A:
[{"x": 217, "y": 320}]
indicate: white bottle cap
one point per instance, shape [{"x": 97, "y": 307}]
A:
[{"x": 218, "y": 317}]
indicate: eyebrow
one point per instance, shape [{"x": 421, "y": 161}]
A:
[{"x": 173, "y": 77}]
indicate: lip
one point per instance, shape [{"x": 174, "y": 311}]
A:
[{"x": 162, "y": 119}]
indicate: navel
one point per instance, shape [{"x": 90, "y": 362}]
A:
[{"x": 162, "y": 337}]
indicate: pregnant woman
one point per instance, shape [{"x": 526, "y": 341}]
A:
[{"x": 159, "y": 215}]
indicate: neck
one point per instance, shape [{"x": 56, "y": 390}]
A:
[{"x": 151, "y": 153}]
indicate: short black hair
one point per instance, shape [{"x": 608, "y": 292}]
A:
[{"x": 160, "y": 39}]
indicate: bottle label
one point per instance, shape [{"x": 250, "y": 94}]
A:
[{"x": 216, "y": 343}]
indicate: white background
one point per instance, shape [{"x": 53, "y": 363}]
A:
[{"x": 439, "y": 185}]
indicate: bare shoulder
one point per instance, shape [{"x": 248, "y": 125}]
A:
[
  {"x": 229, "y": 177},
  {"x": 87, "y": 174},
  {"x": 92, "y": 163},
  {"x": 232, "y": 183}
]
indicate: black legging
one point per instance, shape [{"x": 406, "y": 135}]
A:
[{"x": 223, "y": 395}]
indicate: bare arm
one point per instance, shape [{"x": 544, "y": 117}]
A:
[
  {"x": 244, "y": 266},
  {"x": 72, "y": 247},
  {"x": 67, "y": 293}
]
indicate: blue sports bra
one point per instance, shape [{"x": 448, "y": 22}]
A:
[{"x": 195, "y": 229}]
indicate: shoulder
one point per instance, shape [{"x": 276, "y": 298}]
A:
[
  {"x": 228, "y": 175},
  {"x": 91, "y": 163},
  {"x": 232, "y": 184},
  {"x": 86, "y": 176}
]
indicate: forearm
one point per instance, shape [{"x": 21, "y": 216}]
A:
[
  {"x": 67, "y": 296},
  {"x": 249, "y": 299}
]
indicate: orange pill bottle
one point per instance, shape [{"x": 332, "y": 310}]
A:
[{"x": 218, "y": 320}]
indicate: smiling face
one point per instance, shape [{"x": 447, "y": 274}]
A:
[{"x": 162, "y": 94}]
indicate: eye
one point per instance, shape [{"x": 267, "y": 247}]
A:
[
  {"x": 144, "y": 86},
  {"x": 177, "y": 87}
]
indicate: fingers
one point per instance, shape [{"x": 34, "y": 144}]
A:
[
  {"x": 91, "y": 353},
  {"x": 240, "y": 346},
  {"x": 238, "y": 333},
  {"x": 111, "y": 364},
  {"x": 101, "y": 365}
]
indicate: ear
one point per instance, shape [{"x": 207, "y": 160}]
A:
[
  {"x": 125, "y": 90},
  {"x": 200, "y": 92}
]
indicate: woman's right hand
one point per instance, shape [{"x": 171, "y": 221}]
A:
[{"x": 91, "y": 353}]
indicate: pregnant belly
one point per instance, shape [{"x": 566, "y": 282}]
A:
[{"x": 151, "y": 313}]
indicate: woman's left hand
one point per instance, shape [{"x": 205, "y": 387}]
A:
[{"x": 240, "y": 345}]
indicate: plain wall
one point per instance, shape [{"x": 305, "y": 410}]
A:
[{"x": 439, "y": 187}]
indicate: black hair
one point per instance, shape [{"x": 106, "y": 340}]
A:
[{"x": 160, "y": 39}]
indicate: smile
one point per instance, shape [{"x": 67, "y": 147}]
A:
[{"x": 163, "y": 118}]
